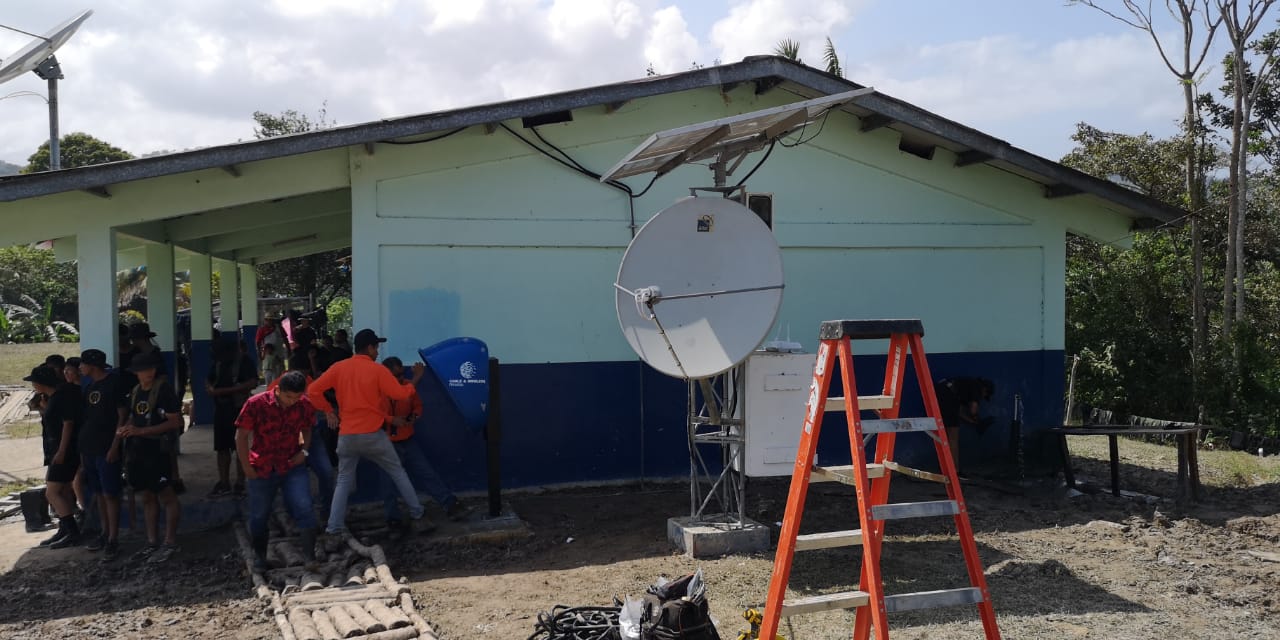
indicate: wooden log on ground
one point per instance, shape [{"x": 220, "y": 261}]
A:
[
  {"x": 326, "y": 597},
  {"x": 371, "y": 575},
  {"x": 355, "y": 574},
  {"x": 324, "y": 625},
  {"x": 286, "y": 630},
  {"x": 312, "y": 581},
  {"x": 392, "y": 618},
  {"x": 303, "y": 626},
  {"x": 343, "y": 622},
  {"x": 361, "y": 617},
  {"x": 424, "y": 629},
  {"x": 403, "y": 633}
]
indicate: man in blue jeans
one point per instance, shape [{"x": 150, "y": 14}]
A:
[
  {"x": 273, "y": 434},
  {"x": 401, "y": 415}
]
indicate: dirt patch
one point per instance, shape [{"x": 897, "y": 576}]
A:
[{"x": 1058, "y": 567}]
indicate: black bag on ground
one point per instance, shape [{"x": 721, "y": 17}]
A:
[{"x": 671, "y": 612}]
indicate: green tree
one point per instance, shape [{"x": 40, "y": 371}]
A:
[
  {"x": 76, "y": 150},
  {"x": 322, "y": 276},
  {"x": 32, "y": 272}
]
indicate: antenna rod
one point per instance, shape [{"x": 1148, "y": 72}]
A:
[
  {"x": 51, "y": 71},
  {"x": 5, "y": 26}
]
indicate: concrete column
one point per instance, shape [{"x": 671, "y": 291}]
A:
[
  {"x": 249, "y": 307},
  {"x": 160, "y": 305},
  {"x": 96, "y": 285},
  {"x": 201, "y": 335},
  {"x": 229, "y": 296}
]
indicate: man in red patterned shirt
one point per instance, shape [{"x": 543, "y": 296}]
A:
[{"x": 272, "y": 438}]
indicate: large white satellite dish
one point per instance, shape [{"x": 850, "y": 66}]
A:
[
  {"x": 699, "y": 287},
  {"x": 37, "y": 51},
  {"x": 38, "y": 56}
]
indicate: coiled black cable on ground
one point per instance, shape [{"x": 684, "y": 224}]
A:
[{"x": 577, "y": 623}]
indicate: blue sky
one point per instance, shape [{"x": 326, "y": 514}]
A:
[{"x": 191, "y": 74}]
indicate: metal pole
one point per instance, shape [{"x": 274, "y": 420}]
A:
[
  {"x": 493, "y": 439},
  {"x": 55, "y": 156}
]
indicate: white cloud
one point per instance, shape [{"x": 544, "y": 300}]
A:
[
  {"x": 669, "y": 46},
  {"x": 755, "y": 26},
  {"x": 1006, "y": 85},
  {"x": 192, "y": 76}
]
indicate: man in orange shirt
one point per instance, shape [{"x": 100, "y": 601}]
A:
[
  {"x": 362, "y": 387},
  {"x": 401, "y": 415}
]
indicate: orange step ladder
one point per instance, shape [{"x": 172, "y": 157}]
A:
[{"x": 871, "y": 482}]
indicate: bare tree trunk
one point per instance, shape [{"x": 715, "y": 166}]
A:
[
  {"x": 1195, "y": 198},
  {"x": 1242, "y": 210},
  {"x": 1229, "y": 275}
]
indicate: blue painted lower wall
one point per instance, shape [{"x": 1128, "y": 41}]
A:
[{"x": 601, "y": 421}]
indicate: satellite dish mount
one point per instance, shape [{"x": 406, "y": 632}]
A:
[
  {"x": 38, "y": 57},
  {"x": 700, "y": 288}
]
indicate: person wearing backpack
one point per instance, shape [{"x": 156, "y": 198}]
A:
[
  {"x": 60, "y": 425},
  {"x": 154, "y": 412}
]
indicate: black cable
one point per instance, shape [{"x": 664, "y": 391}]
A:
[
  {"x": 758, "y": 164},
  {"x": 574, "y": 165},
  {"x": 424, "y": 140},
  {"x": 801, "y": 139},
  {"x": 576, "y": 623}
]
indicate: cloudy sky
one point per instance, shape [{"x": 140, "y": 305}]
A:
[{"x": 150, "y": 75}]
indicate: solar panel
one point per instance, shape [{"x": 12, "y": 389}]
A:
[{"x": 666, "y": 150}]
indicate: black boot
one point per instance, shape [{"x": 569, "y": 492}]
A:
[
  {"x": 260, "y": 553},
  {"x": 35, "y": 509},
  {"x": 307, "y": 538},
  {"x": 57, "y": 536},
  {"x": 72, "y": 537}
]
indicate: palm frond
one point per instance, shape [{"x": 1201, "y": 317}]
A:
[
  {"x": 832, "y": 59},
  {"x": 788, "y": 48}
]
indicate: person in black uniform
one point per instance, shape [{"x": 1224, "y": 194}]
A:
[
  {"x": 959, "y": 400},
  {"x": 230, "y": 382},
  {"x": 60, "y": 428},
  {"x": 153, "y": 413},
  {"x": 106, "y": 409}
]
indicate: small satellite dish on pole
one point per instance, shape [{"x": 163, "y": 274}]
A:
[
  {"x": 37, "y": 56},
  {"x": 701, "y": 284}
]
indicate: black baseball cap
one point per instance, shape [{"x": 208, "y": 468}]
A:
[
  {"x": 140, "y": 330},
  {"x": 93, "y": 358},
  {"x": 365, "y": 338},
  {"x": 146, "y": 362},
  {"x": 45, "y": 376}
]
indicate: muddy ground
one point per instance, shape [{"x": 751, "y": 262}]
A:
[{"x": 1092, "y": 566}]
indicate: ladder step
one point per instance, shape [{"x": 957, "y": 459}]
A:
[
  {"x": 843, "y": 473},
  {"x": 865, "y": 403},
  {"x": 903, "y": 510},
  {"x": 829, "y": 540},
  {"x": 826, "y": 602},
  {"x": 899, "y": 425},
  {"x": 932, "y": 599}
]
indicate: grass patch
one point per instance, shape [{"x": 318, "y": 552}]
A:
[
  {"x": 1221, "y": 468},
  {"x": 17, "y": 360},
  {"x": 13, "y": 486},
  {"x": 23, "y": 429}
]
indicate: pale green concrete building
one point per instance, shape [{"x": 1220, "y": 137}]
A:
[{"x": 460, "y": 223}]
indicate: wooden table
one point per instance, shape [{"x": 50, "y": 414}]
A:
[{"x": 1188, "y": 461}]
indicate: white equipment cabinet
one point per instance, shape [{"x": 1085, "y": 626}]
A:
[{"x": 775, "y": 391}]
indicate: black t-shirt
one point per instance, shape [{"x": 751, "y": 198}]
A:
[
  {"x": 64, "y": 404},
  {"x": 102, "y": 400},
  {"x": 145, "y": 413},
  {"x": 229, "y": 374}
]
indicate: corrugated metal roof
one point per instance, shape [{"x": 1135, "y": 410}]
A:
[{"x": 766, "y": 72}]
